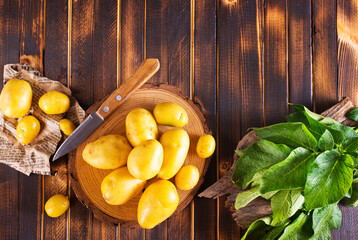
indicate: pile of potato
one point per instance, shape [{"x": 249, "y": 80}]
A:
[
  {"x": 139, "y": 157},
  {"x": 16, "y": 101}
]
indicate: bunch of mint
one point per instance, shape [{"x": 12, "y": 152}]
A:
[{"x": 305, "y": 167}]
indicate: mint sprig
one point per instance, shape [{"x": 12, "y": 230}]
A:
[{"x": 304, "y": 166}]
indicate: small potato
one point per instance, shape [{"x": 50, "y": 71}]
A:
[
  {"x": 170, "y": 114},
  {"x": 27, "y": 129},
  {"x": 176, "y": 146},
  {"x": 120, "y": 186},
  {"x": 145, "y": 160},
  {"x": 205, "y": 146},
  {"x": 140, "y": 126},
  {"x": 57, "y": 205},
  {"x": 107, "y": 152},
  {"x": 157, "y": 203},
  {"x": 187, "y": 177},
  {"x": 67, "y": 126},
  {"x": 16, "y": 98},
  {"x": 54, "y": 102}
]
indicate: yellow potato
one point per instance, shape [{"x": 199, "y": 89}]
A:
[
  {"x": 107, "y": 152},
  {"x": 16, "y": 98},
  {"x": 145, "y": 160},
  {"x": 140, "y": 126},
  {"x": 27, "y": 129},
  {"x": 120, "y": 186},
  {"x": 54, "y": 102},
  {"x": 171, "y": 114},
  {"x": 205, "y": 146},
  {"x": 176, "y": 145},
  {"x": 187, "y": 177},
  {"x": 57, "y": 205},
  {"x": 157, "y": 203},
  {"x": 67, "y": 126}
]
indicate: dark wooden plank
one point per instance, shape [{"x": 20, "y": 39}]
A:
[
  {"x": 275, "y": 61},
  {"x": 81, "y": 83},
  {"x": 240, "y": 86},
  {"x": 168, "y": 39},
  {"x": 132, "y": 37},
  {"x": 347, "y": 20},
  {"x": 31, "y": 52},
  {"x": 300, "y": 52},
  {"x": 131, "y": 56},
  {"x": 324, "y": 54},
  {"x": 93, "y": 75},
  {"x": 55, "y": 67},
  {"x": 205, "y": 75},
  {"x": 9, "y": 180},
  {"x": 103, "y": 230}
]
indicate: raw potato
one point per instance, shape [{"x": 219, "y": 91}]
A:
[
  {"x": 140, "y": 126},
  {"x": 54, "y": 102},
  {"x": 157, "y": 203},
  {"x": 176, "y": 146},
  {"x": 57, "y": 205},
  {"x": 145, "y": 160},
  {"x": 107, "y": 152},
  {"x": 205, "y": 146},
  {"x": 170, "y": 114},
  {"x": 16, "y": 98},
  {"x": 187, "y": 177},
  {"x": 67, "y": 126},
  {"x": 120, "y": 186},
  {"x": 27, "y": 129}
]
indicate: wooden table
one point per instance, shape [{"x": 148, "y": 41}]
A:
[{"x": 244, "y": 59}]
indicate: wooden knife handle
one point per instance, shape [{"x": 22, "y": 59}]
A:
[{"x": 145, "y": 71}]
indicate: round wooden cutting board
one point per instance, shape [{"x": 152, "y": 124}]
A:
[{"x": 86, "y": 180}]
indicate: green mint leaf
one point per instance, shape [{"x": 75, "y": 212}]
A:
[
  {"x": 348, "y": 132},
  {"x": 291, "y": 173},
  {"x": 324, "y": 220},
  {"x": 285, "y": 204},
  {"x": 353, "y": 200},
  {"x": 260, "y": 155},
  {"x": 244, "y": 198},
  {"x": 291, "y": 134},
  {"x": 302, "y": 108},
  {"x": 316, "y": 127},
  {"x": 328, "y": 179},
  {"x": 353, "y": 114},
  {"x": 326, "y": 141},
  {"x": 240, "y": 152},
  {"x": 262, "y": 229},
  {"x": 269, "y": 195},
  {"x": 300, "y": 228},
  {"x": 350, "y": 145}
]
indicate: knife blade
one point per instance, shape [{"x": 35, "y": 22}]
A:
[{"x": 146, "y": 70}]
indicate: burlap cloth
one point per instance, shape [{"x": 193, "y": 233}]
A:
[{"x": 34, "y": 157}]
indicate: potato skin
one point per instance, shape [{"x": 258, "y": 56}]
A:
[
  {"x": 145, "y": 160},
  {"x": 176, "y": 146},
  {"x": 16, "y": 98},
  {"x": 187, "y": 177},
  {"x": 54, "y": 102},
  {"x": 140, "y": 126},
  {"x": 205, "y": 146},
  {"x": 27, "y": 129},
  {"x": 120, "y": 186},
  {"x": 57, "y": 205},
  {"x": 170, "y": 114},
  {"x": 157, "y": 203},
  {"x": 67, "y": 126},
  {"x": 107, "y": 152}
]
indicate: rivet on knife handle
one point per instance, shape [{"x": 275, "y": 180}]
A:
[{"x": 148, "y": 68}]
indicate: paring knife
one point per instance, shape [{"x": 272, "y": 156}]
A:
[{"x": 148, "y": 68}]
